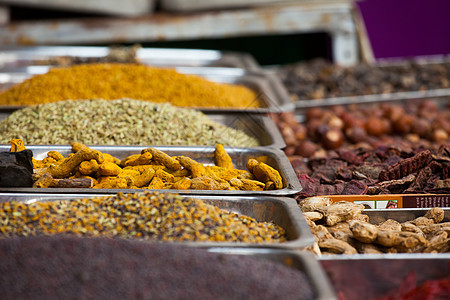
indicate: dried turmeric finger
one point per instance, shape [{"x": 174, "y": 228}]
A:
[
  {"x": 265, "y": 173},
  {"x": 183, "y": 184},
  {"x": 109, "y": 169},
  {"x": 220, "y": 173},
  {"x": 110, "y": 182},
  {"x": 156, "y": 183},
  {"x": 16, "y": 145},
  {"x": 163, "y": 159},
  {"x": 88, "y": 167},
  {"x": 221, "y": 158},
  {"x": 78, "y": 146},
  {"x": 137, "y": 159},
  {"x": 55, "y": 155},
  {"x": 44, "y": 181},
  {"x": 145, "y": 177},
  {"x": 252, "y": 185},
  {"x": 197, "y": 169},
  {"x": 107, "y": 157},
  {"x": 68, "y": 166},
  {"x": 165, "y": 177}
]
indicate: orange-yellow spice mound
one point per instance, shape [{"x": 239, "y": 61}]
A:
[{"x": 114, "y": 81}]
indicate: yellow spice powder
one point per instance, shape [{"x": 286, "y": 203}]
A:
[{"x": 113, "y": 81}]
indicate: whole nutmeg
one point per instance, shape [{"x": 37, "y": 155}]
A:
[
  {"x": 289, "y": 150},
  {"x": 300, "y": 132},
  {"x": 395, "y": 112},
  {"x": 375, "y": 127},
  {"x": 314, "y": 113},
  {"x": 288, "y": 134},
  {"x": 442, "y": 123},
  {"x": 356, "y": 134},
  {"x": 306, "y": 148},
  {"x": 439, "y": 136},
  {"x": 335, "y": 122},
  {"x": 333, "y": 139},
  {"x": 311, "y": 127},
  {"x": 421, "y": 127},
  {"x": 351, "y": 121},
  {"x": 403, "y": 124}
]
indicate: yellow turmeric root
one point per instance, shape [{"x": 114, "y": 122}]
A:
[
  {"x": 197, "y": 169},
  {"x": 163, "y": 159},
  {"x": 265, "y": 173},
  {"x": 88, "y": 167},
  {"x": 16, "y": 145},
  {"x": 137, "y": 159},
  {"x": 111, "y": 182},
  {"x": 183, "y": 184},
  {"x": 109, "y": 169},
  {"x": 68, "y": 166},
  {"x": 221, "y": 158},
  {"x": 156, "y": 184}
]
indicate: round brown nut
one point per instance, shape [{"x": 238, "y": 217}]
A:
[
  {"x": 306, "y": 148},
  {"x": 333, "y": 139}
]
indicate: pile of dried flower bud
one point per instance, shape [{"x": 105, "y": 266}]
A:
[
  {"x": 342, "y": 228},
  {"x": 151, "y": 169},
  {"x": 150, "y": 216},
  {"x": 118, "y": 122}
]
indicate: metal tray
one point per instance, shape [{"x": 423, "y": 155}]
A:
[
  {"x": 271, "y": 93},
  {"x": 261, "y": 127},
  {"x": 203, "y": 154},
  {"x": 373, "y": 277},
  {"x": 182, "y": 5},
  {"x": 280, "y": 210},
  {"x": 299, "y": 260},
  {"x": 377, "y": 216},
  {"x": 258, "y": 126},
  {"x": 109, "y": 7},
  {"x": 20, "y": 57}
]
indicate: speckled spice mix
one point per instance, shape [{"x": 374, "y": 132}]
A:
[
  {"x": 118, "y": 122},
  {"x": 148, "y": 216},
  {"x": 114, "y": 81}
]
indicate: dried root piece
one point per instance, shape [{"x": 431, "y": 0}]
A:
[
  {"x": 337, "y": 247},
  {"x": 313, "y": 215},
  {"x": 111, "y": 182},
  {"x": 221, "y": 158},
  {"x": 265, "y": 173},
  {"x": 88, "y": 167},
  {"x": 436, "y": 214},
  {"x": 410, "y": 227},
  {"x": 137, "y": 160},
  {"x": 363, "y": 232},
  {"x": 313, "y": 203},
  {"x": 422, "y": 221},
  {"x": 322, "y": 233},
  {"x": 163, "y": 159},
  {"x": 182, "y": 184},
  {"x": 340, "y": 212},
  {"x": 68, "y": 166},
  {"x": 44, "y": 181},
  {"x": 390, "y": 225},
  {"x": 109, "y": 169},
  {"x": 439, "y": 243},
  {"x": 17, "y": 145},
  {"x": 156, "y": 183},
  {"x": 197, "y": 169}
]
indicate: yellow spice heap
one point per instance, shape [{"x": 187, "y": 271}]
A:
[{"x": 114, "y": 81}]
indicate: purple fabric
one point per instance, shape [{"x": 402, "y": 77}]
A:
[{"x": 407, "y": 28}]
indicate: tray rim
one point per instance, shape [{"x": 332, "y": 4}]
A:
[{"x": 305, "y": 237}]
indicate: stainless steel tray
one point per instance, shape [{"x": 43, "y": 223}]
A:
[
  {"x": 182, "y": 5},
  {"x": 271, "y": 93},
  {"x": 280, "y": 210},
  {"x": 299, "y": 260},
  {"x": 203, "y": 154},
  {"x": 258, "y": 126},
  {"x": 109, "y": 7},
  {"x": 261, "y": 127},
  {"x": 374, "y": 276},
  {"x": 377, "y": 216},
  {"x": 21, "y": 57}
]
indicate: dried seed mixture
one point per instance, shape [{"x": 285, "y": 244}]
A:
[
  {"x": 115, "y": 81},
  {"x": 62, "y": 267},
  {"x": 118, "y": 122},
  {"x": 148, "y": 216}
]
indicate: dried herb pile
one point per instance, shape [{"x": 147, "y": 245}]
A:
[
  {"x": 118, "y": 122},
  {"x": 343, "y": 228},
  {"x": 318, "y": 79},
  {"x": 148, "y": 216},
  {"x": 115, "y": 81},
  {"x": 99, "y": 268}
]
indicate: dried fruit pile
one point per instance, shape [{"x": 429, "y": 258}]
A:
[
  {"x": 417, "y": 122},
  {"x": 318, "y": 79},
  {"x": 87, "y": 268},
  {"x": 147, "y": 216},
  {"x": 342, "y": 228}
]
